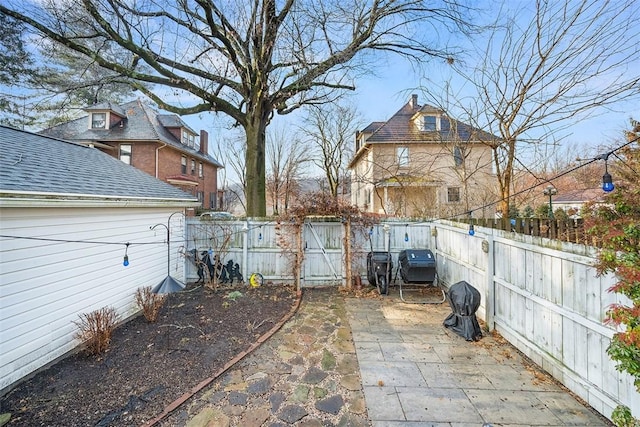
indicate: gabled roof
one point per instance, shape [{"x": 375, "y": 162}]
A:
[
  {"x": 38, "y": 166},
  {"x": 402, "y": 128},
  {"x": 140, "y": 123}
]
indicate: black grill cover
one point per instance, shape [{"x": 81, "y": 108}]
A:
[{"x": 464, "y": 300}]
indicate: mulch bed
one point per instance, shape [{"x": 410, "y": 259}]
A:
[{"x": 149, "y": 365}]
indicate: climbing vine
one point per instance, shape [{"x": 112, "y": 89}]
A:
[
  {"x": 616, "y": 225},
  {"x": 289, "y": 226}
]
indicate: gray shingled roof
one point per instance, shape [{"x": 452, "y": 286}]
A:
[
  {"x": 41, "y": 165},
  {"x": 107, "y": 106},
  {"x": 141, "y": 124},
  {"x": 400, "y": 128}
]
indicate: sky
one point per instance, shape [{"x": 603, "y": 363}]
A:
[{"x": 379, "y": 96}]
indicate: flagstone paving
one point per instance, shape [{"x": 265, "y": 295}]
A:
[{"x": 346, "y": 361}]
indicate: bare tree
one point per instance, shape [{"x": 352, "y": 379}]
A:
[
  {"x": 245, "y": 59},
  {"x": 286, "y": 156},
  {"x": 545, "y": 69},
  {"x": 330, "y": 128},
  {"x": 232, "y": 149},
  {"x": 17, "y": 68}
]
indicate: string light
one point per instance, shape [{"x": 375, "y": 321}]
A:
[
  {"x": 406, "y": 234},
  {"x": 126, "y": 257},
  {"x": 607, "y": 181},
  {"x": 472, "y": 230}
]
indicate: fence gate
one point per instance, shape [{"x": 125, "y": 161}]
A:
[{"x": 323, "y": 254}]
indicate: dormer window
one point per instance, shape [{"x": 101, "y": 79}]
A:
[
  {"x": 430, "y": 123},
  {"x": 98, "y": 120},
  {"x": 434, "y": 124},
  {"x": 188, "y": 138}
]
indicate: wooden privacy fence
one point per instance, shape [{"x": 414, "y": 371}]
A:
[
  {"x": 566, "y": 230},
  {"x": 543, "y": 295},
  {"x": 270, "y": 248}
]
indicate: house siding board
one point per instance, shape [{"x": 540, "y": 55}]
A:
[{"x": 44, "y": 286}]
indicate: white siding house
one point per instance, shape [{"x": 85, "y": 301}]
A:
[{"x": 68, "y": 214}]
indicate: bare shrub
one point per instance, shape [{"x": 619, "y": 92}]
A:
[
  {"x": 96, "y": 329},
  {"x": 150, "y": 303}
]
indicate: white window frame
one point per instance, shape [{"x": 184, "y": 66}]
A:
[
  {"x": 402, "y": 155},
  {"x": 124, "y": 154},
  {"x": 459, "y": 195},
  {"x": 93, "y": 120},
  {"x": 188, "y": 138},
  {"x": 435, "y": 124},
  {"x": 183, "y": 165}
]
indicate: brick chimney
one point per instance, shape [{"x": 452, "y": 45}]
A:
[
  {"x": 204, "y": 142},
  {"x": 414, "y": 101}
]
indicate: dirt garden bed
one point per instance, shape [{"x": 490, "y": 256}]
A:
[{"x": 149, "y": 365}]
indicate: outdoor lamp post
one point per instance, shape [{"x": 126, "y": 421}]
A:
[{"x": 550, "y": 191}]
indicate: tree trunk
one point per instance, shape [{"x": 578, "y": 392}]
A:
[{"x": 255, "y": 192}]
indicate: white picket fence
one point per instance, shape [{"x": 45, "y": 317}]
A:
[{"x": 542, "y": 295}]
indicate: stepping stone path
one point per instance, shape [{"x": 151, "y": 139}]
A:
[{"x": 306, "y": 374}]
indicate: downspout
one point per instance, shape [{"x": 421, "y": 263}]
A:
[{"x": 158, "y": 155}]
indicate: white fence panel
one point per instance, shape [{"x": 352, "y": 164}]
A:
[
  {"x": 543, "y": 296},
  {"x": 549, "y": 303}
]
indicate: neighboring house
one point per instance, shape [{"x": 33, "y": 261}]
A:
[
  {"x": 421, "y": 163},
  {"x": 68, "y": 215},
  {"x": 161, "y": 145},
  {"x": 573, "y": 201}
]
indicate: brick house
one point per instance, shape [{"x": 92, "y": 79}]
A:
[
  {"x": 422, "y": 163},
  {"x": 161, "y": 145}
]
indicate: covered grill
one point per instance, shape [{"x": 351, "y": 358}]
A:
[{"x": 418, "y": 267}]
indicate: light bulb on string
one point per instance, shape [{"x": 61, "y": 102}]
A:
[
  {"x": 125, "y": 262},
  {"x": 472, "y": 230},
  {"x": 607, "y": 183}
]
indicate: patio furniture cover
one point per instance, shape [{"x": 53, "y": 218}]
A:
[{"x": 464, "y": 300}]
